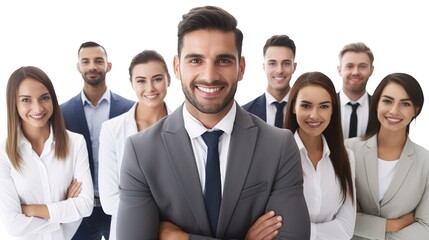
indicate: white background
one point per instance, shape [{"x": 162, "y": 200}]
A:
[{"x": 47, "y": 34}]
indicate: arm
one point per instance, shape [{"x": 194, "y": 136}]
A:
[
  {"x": 287, "y": 197},
  {"x": 265, "y": 228},
  {"x": 16, "y": 223},
  {"x": 138, "y": 216},
  {"x": 74, "y": 209},
  {"x": 108, "y": 183},
  {"x": 41, "y": 210}
]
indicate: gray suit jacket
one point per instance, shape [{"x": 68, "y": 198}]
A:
[
  {"x": 408, "y": 191},
  {"x": 159, "y": 181}
]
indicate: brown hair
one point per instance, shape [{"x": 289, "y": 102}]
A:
[
  {"x": 14, "y": 120},
  {"x": 358, "y": 47},
  {"x": 333, "y": 132}
]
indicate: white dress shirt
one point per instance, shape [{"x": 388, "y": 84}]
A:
[
  {"x": 331, "y": 219},
  {"x": 272, "y": 109},
  {"x": 44, "y": 180},
  {"x": 195, "y": 129},
  {"x": 362, "y": 113},
  {"x": 113, "y": 135}
]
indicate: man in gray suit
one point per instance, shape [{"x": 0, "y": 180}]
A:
[{"x": 164, "y": 176}]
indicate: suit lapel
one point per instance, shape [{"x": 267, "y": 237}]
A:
[
  {"x": 402, "y": 169},
  {"x": 371, "y": 168},
  {"x": 243, "y": 137},
  {"x": 178, "y": 145}
]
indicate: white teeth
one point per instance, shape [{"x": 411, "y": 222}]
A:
[
  {"x": 37, "y": 116},
  {"x": 279, "y": 78},
  {"x": 393, "y": 119},
  {"x": 150, "y": 96},
  {"x": 314, "y": 124},
  {"x": 209, "y": 90}
]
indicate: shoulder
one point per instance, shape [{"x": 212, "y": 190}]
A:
[
  {"x": 75, "y": 138},
  {"x": 121, "y": 99},
  {"x": 70, "y": 103},
  {"x": 257, "y": 100}
]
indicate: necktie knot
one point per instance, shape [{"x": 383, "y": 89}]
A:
[
  {"x": 353, "y": 105},
  {"x": 278, "y": 121},
  {"x": 212, "y": 138}
]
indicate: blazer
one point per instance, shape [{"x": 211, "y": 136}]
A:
[
  {"x": 258, "y": 106},
  {"x": 408, "y": 191},
  {"x": 159, "y": 181},
  {"x": 75, "y": 120}
]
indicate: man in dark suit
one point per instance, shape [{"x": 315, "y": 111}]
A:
[
  {"x": 356, "y": 66},
  {"x": 279, "y": 65},
  {"x": 84, "y": 114},
  {"x": 168, "y": 172}
]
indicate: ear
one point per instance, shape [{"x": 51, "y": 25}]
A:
[
  {"x": 176, "y": 67},
  {"x": 109, "y": 66},
  {"x": 241, "y": 68}
]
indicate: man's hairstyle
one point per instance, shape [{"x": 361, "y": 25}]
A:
[
  {"x": 280, "y": 41},
  {"x": 358, "y": 47},
  {"x": 91, "y": 44},
  {"x": 208, "y": 17}
]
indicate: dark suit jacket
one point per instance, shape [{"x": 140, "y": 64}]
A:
[
  {"x": 159, "y": 181},
  {"x": 75, "y": 120},
  {"x": 258, "y": 106}
]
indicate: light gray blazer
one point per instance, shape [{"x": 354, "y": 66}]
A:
[
  {"x": 159, "y": 181},
  {"x": 408, "y": 191}
]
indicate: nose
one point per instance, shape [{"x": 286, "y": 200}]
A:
[
  {"x": 313, "y": 112},
  {"x": 355, "y": 70},
  {"x": 210, "y": 73},
  {"x": 279, "y": 68},
  {"x": 37, "y": 107},
  {"x": 394, "y": 109}
]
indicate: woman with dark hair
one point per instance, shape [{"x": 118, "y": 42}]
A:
[
  {"x": 392, "y": 172},
  {"x": 44, "y": 171},
  {"x": 150, "y": 79},
  {"x": 313, "y": 114}
]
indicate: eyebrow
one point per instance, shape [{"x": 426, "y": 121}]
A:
[{"x": 402, "y": 100}]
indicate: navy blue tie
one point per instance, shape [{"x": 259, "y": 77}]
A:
[
  {"x": 278, "y": 122},
  {"x": 212, "y": 195},
  {"x": 353, "y": 120}
]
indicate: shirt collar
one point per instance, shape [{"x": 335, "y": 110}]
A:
[
  {"x": 345, "y": 99},
  {"x": 23, "y": 141},
  {"x": 271, "y": 99},
  {"x": 301, "y": 147},
  {"x": 195, "y": 128},
  {"x": 105, "y": 97}
]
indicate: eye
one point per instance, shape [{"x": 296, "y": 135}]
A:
[
  {"x": 45, "y": 98},
  {"x": 158, "y": 79},
  {"x": 224, "y": 61},
  {"x": 305, "y": 105},
  {"x": 325, "y": 106},
  {"x": 99, "y": 61},
  {"x": 406, "y": 104},
  {"x": 195, "y": 60},
  {"x": 25, "y": 100},
  {"x": 386, "y": 101}
]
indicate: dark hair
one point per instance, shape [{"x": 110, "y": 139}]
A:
[
  {"x": 208, "y": 17},
  {"x": 410, "y": 85},
  {"x": 145, "y": 57},
  {"x": 91, "y": 44},
  {"x": 358, "y": 47},
  {"x": 14, "y": 120},
  {"x": 280, "y": 41},
  {"x": 333, "y": 132}
]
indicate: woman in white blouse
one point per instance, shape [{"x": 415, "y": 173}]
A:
[
  {"x": 150, "y": 79},
  {"x": 392, "y": 172},
  {"x": 45, "y": 178},
  {"x": 313, "y": 114}
]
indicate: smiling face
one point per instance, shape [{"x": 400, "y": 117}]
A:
[
  {"x": 313, "y": 109},
  {"x": 34, "y": 104},
  {"x": 209, "y": 69},
  {"x": 150, "y": 82},
  {"x": 395, "y": 110},
  {"x": 355, "y": 70},
  {"x": 93, "y": 65},
  {"x": 279, "y": 66}
]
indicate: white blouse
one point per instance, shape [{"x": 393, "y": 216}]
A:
[
  {"x": 330, "y": 218},
  {"x": 44, "y": 180}
]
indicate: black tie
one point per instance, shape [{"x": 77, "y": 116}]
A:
[
  {"x": 353, "y": 120},
  {"x": 212, "y": 195},
  {"x": 279, "y": 114}
]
